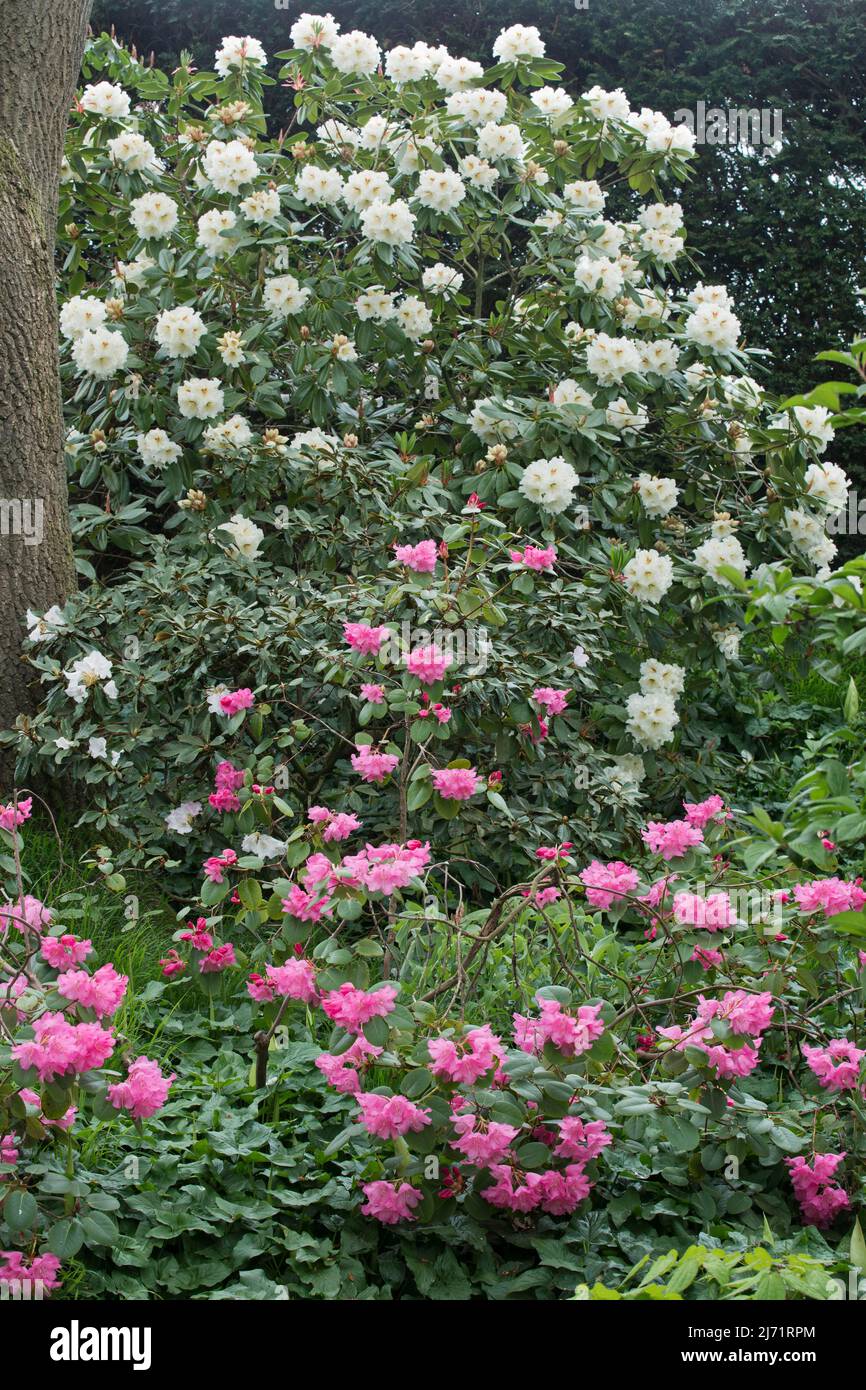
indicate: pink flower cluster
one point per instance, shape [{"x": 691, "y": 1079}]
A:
[
  {"x": 830, "y": 895},
  {"x": 371, "y": 765},
  {"x": 700, "y": 813},
  {"x": 713, "y": 913},
  {"x": 465, "y": 1061},
  {"x": 456, "y": 783},
  {"x": 294, "y": 980},
  {"x": 226, "y": 782},
  {"x": 236, "y": 700},
  {"x": 837, "y": 1066},
  {"x": 481, "y": 1141},
  {"x": 385, "y": 868},
  {"x": 16, "y": 813},
  {"x": 373, "y": 694},
  {"x": 672, "y": 839},
  {"x": 62, "y": 952},
  {"x": 570, "y": 1033},
  {"x": 363, "y": 638},
  {"x": 606, "y": 882},
  {"x": 747, "y": 1016},
  {"x": 339, "y": 1070},
  {"x": 532, "y": 557},
  {"x": 144, "y": 1091},
  {"x": 352, "y": 1008},
  {"x": 339, "y": 825},
  {"x": 421, "y": 557},
  {"x": 213, "y": 867},
  {"x": 27, "y": 912},
  {"x": 388, "y": 1117},
  {"x": 59, "y": 1047},
  {"x": 42, "y": 1269},
  {"x": 428, "y": 663},
  {"x": 554, "y": 1192},
  {"x": 102, "y": 991},
  {"x": 554, "y": 701},
  {"x": 821, "y": 1200},
  {"x": 390, "y": 1202}
]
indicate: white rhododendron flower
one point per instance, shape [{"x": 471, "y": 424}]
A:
[
  {"x": 828, "y": 484},
  {"x": 211, "y": 226},
  {"x": 180, "y": 819},
  {"x": 227, "y": 436},
  {"x": 228, "y": 165},
  {"x": 263, "y": 846},
  {"x": 262, "y": 206},
  {"x": 234, "y": 54},
  {"x": 607, "y": 106},
  {"x": 375, "y": 303},
  {"x": 551, "y": 102},
  {"x": 519, "y": 41},
  {"x": 814, "y": 421},
  {"x": 364, "y": 187},
  {"x": 315, "y": 185},
  {"x": 609, "y": 360},
  {"x": 620, "y": 415},
  {"x": 245, "y": 537},
  {"x": 312, "y": 31},
  {"x": 479, "y": 172},
  {"x": 414, "y": 317},
  {"x": 156, "y": 449},
  {"x": 133, "y": 150},
  {"x": 651, "y": 719},
  {"x": 200, "y": 398},
  {"x": 355, "y": 53},
  {"x": 585, "y": 195},
  {"x": 478, "y": 105},
  {"x": 80, "y": 314},
  {"x": 441, "y": 279},
  {"x": 713, "y": 326},
  {"x": 809, "y": 536},
  {"x": 88, "y": 673},
  {"x": 549, "y": 483},
  {"x": 598, "y": 275},
  {"x": 442, "y": 190},
  {"x": 179, "y": 331},
  {"x": 658, "y": 495},
  {"x": 391, "y": 223},
  {"x": 500, "y": 142},
  {"x": 282, "y": 295},
  {"x": 649, "y": 575},
  {"x": 44, "y": 628},
  {"x": 718, "y": 551},
  {"x": 105, "y": 99},
  {"x": 99, "y": 352},
  {"x": 154, "y": 216},
  {"x": 454, "y": 74}
]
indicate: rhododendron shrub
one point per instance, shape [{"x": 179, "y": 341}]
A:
[
  {"x": 433, "y": 361},
  {"x": 63, "y": 1062}
]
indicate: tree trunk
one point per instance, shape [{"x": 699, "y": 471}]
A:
[{"x": 41, "y": 43}]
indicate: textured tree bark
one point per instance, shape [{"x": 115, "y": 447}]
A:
[{"x": 41, "y": 43}]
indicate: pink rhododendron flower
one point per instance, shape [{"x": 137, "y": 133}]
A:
[
  {"x": 352, "y": 1007},
  {"x": 421, "y": 557},
  {"x": 385, "y": 868},
  {"x": 509, "y": 1192},
  {"x": 62, "y": 952},
  {"x": 102, "y": 991},
  {"x": 198, "y": 935},
  {"x": 339, "y": 1071},
  {"x": 16, "y": 813},
  {"x": 8, "y": 1152},
  {"x": 60, "y": 1046},
  {"x": 224, "y": 801},
  {"x": 318, "y": 869},
  {"x": 306, "y": 906},
  {"x": 606, "y": 882},
  {"x": 837, "y": 1066},
  {"x": 390, "y": 1202},
  {"x": 571, "y": 1034},
  {"x": 747, "y": 1015},
  {"x": 294, "y": 980},
  {"x": 671, "y": 839},
  {"x": 482, "y": 1142},
  {"x": 456, "y": 783},
  {"x": 533, "y": 558},
  {"x": 829, "y": 895},
  {"x": 544, "y": 896},
  {"x": 465, "y": 1060},
  {"x": 713, "y": 912},
  {"x": 373, "y": 694},
  {"x": 42, "y": 1269},
  {"x": 429, "y": 663},
  {"x": 213, "y": 867},
  {"x": 554, "y": 701},
  {"x": 236, "y": 700},
  {"x": 172, "y": 964},
  {"x": 144, "y": 1091},
  {"x": 820, "y": 1199},
  {"x": 581, "y": 1140},
  {"x": 364, "y": 638},
  {"x": 699, "y": 813},
  {"x": 341, "y": 826},
  {"x": 27, "y": 912},
  {"x": 373, "y": 766},
  {"x": 707, "y": 959},
  {"x": 387, "y": 1117},
  {"x": 561, "y": 1193},
  {"x": 220, "y": 958}
]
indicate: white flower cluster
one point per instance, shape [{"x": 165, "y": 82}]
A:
[
  {"x": 549, "y": 483},
  {"x": 652, "y": 715}
]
